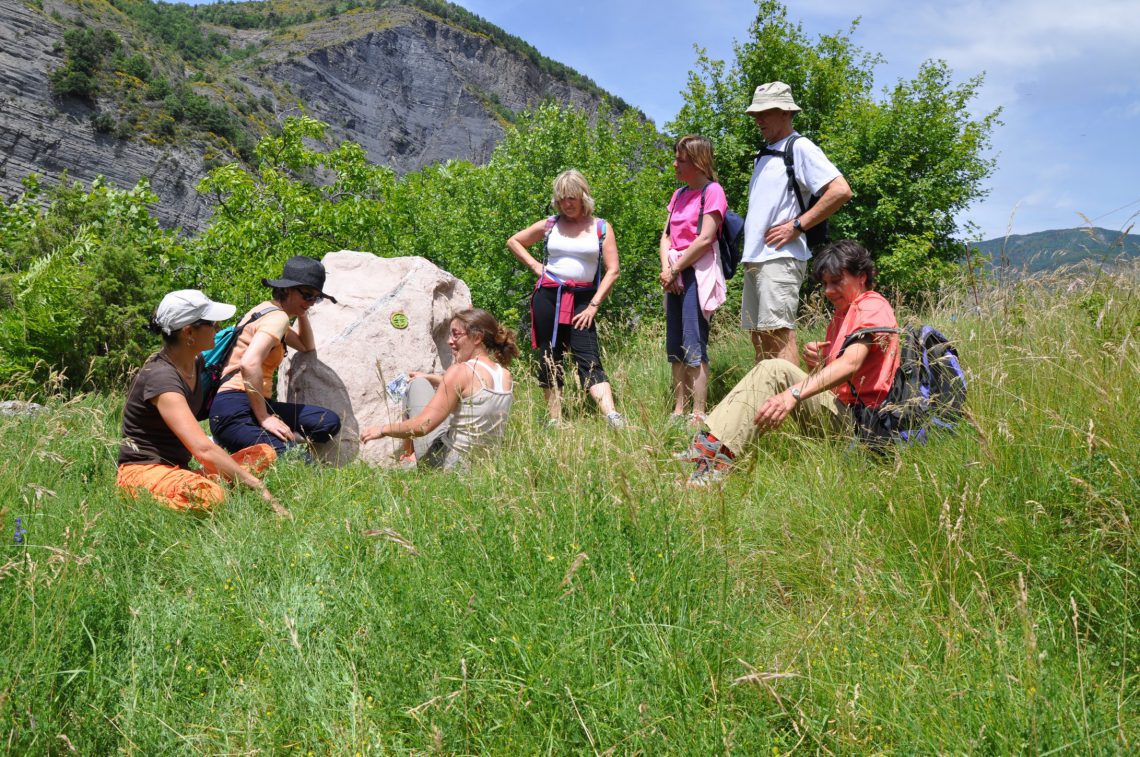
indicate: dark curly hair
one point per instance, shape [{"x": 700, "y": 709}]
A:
[{"x": 844, "y": 255}]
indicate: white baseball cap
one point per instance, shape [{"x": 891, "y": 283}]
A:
[{"x": 187, "y": 306}]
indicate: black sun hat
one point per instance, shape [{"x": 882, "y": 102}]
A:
[{"x": 301, "y": 271}]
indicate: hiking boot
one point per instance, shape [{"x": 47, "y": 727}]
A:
[
  {"x": 616, "y": 420},
  {"x": 710, "y": 470},
  {"x": 699, "y": 447}
]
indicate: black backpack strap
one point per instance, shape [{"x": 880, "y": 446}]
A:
[
  {"x": 790, "y": 167},
  {"x": 669, "y": 220},
  {"x": 701, "y": 212},
  {"x": 860, "y": 335},
  {"x": 600, "y": 223},
  {"x": 548, "y": 229}
]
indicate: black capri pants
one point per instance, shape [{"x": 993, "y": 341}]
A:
[{"x": 583, "y": 343}]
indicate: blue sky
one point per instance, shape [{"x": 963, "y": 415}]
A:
[{"x": 1064, "y": 73}]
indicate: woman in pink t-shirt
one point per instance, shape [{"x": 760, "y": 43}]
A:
[{"x": 690, "y": 272}]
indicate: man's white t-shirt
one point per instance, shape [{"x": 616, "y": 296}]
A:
[{"x": 771, "y": 202}]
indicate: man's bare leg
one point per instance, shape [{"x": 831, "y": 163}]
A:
[{"x": 774, "y": 343}]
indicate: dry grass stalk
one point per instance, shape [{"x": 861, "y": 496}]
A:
[
  {"x": 580, "y": 558},
  {"x": 420, "y": 708},
  {"x": 393, "y": 536}
]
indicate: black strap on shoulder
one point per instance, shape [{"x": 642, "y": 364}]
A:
[
  {"x": 862, "y": 334},
  {"x": 789, "y": 157},
  {"x": 858, "y": 336},
  {"x": 790, "y": 166},
  {"x": 701, "y": 211}
]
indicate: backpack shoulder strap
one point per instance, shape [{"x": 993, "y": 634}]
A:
[
  {"x": 547, "y": 230},
  {"x": 672, "y": 207},
  {"x": 701, "y": 211},
  {"x": 765, "y": 151},
  {"x": 790, "y": 167},
  {"x": 601, "y": 224},
  {"x": 861, "y": 334}
]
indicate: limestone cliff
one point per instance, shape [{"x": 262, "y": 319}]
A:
[
  {"x": 41, "y": 134},
  {"x": 410, "y": 87}
]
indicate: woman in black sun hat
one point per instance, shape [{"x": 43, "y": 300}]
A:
[{"x": 243, "y": 413}]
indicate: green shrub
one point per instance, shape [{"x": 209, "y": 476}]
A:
[{"x": 85, "y": 268}]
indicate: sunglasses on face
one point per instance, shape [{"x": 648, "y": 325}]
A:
[
  {"x": 310, "y": 296},
  {"x": 204, "y": 324}
]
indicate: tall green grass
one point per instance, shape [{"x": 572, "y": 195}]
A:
[{"x": 974, "y": 595}]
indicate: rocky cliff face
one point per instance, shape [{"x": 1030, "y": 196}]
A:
[
  {"x": 416, "y": 91},
  {"x": 408, "y": 87},
  {"x": 39, "y": 134}
]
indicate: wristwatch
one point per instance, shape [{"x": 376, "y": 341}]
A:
[
  {"x": 795, "y": 392},
  {"x": 798, "y": 226}
]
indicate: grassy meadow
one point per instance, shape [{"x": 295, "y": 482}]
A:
[{"x": 978, "y": 595}]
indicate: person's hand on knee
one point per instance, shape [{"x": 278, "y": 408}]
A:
[{"x": 774, "y": 411}]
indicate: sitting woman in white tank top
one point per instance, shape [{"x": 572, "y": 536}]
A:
[{"x": 452, "y": 415}]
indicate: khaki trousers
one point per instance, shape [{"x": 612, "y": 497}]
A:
[{"x": 731, "y": 420}]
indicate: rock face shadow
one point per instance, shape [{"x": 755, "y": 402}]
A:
[{"x": 308, "y": 378}]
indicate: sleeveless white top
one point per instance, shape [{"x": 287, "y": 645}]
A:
[
  {"x": 479, "y": 420},
  {"x": 573, "y": 259}
]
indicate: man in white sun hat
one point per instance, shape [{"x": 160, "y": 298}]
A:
[{"x": 775, "y": 252}]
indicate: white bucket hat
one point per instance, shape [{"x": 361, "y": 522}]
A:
[
  {"x": 187, "y": 306},
  {"x": 774, "y": 94}
]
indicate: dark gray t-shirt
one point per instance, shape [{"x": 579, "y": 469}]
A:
[{"x": 147, "y": 440}]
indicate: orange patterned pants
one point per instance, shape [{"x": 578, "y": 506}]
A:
[{"x": 184, "y": 489}]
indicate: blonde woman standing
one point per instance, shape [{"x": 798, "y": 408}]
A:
[{"x": 569, "y": 291}]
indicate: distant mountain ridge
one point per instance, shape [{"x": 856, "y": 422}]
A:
[
  {"x": 133, "y": 88},
  {"x": 1056, "y": 248}
]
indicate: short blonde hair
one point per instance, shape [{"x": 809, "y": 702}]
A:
[{"x": 571, "y": 183}]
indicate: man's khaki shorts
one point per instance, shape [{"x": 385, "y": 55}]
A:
[{"x": 771, "y": 294}]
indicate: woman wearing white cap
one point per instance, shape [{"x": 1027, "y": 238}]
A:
[{"x": 160, "y": 417}]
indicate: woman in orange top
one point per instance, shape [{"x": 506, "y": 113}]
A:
[
  {"x": 822, "y": 401},
  {"x": 243, "y": 412}
]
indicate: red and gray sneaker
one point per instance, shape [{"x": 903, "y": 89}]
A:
[
  {"x": 710, "y": 470},
  {"x": 700, "y": 447}
]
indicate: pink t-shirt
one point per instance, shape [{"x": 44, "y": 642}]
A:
[
  {"x": 686, "y": 206},
  {"x": 874, "y": 377}
]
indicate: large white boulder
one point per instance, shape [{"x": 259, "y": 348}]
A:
[{"x": 361, "y": 346}]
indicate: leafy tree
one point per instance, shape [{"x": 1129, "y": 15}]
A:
[
  {"x": 296, "y": 200},
  {"x": 84, "y": 50},
  {"x": 915, "y": 158},
  {"x": 302, "y": 200}
]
